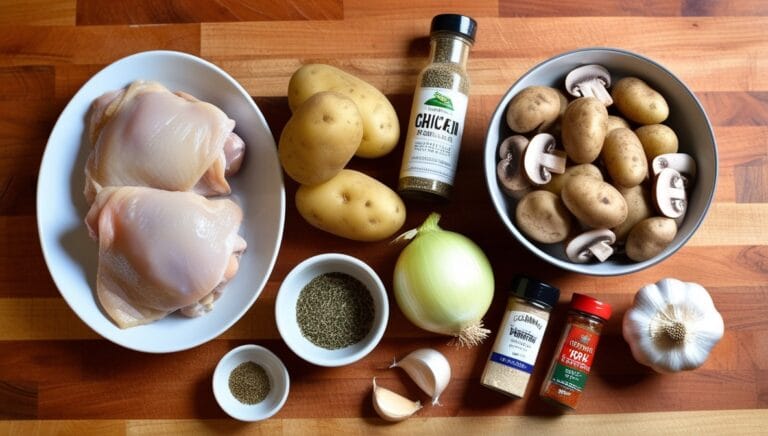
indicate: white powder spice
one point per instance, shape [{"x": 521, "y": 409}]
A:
[{"x": 518, "y": 340}]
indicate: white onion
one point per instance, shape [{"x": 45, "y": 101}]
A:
[{"x": 443, "y": 283}]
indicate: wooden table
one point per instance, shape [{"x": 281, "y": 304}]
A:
[{"x": 56, "y": 375}]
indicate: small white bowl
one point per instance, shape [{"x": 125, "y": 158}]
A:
[
  {"x": 288, "y": 296},
  {"x": 278, "y": 380}
]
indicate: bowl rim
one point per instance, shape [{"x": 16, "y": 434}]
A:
[
  {"x": 266, "y": 355},
  {"x": 282, "y": 318},
  {"x": 490, "y": 177}
]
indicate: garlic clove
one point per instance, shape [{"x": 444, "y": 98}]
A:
[
  {"x": 429, "y": 369},
  {"x": 392, "y": 406}
]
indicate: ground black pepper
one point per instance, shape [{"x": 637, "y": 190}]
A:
[
  {"x": 335, "y": 310},
  {"x": 249, "y": 383}
]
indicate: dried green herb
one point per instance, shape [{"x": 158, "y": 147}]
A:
[
  {"x": 335, "y": 310},
  {"x": 249, "y": 383}
]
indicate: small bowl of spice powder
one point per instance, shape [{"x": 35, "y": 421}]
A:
[
  {"x": 332, "y": 309},
  {"x": 250, "y": 383}
]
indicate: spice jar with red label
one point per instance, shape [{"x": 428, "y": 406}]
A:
[{"x": 575, "y": 352}]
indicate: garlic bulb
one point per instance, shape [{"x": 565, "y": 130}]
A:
[
  {"x": 429, "y": 369},
  {"x": 672, "y": 325},
  {"x": 392, "y": 406}
]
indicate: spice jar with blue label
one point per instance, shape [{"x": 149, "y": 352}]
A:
[
  {"x": 437, "y": 115},
  {"x": 514, "y": 353}
]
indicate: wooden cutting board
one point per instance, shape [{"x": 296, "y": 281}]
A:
[{"x": 57, "y": 376}]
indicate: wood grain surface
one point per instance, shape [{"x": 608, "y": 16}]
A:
[{"x": 58, "y": 377}]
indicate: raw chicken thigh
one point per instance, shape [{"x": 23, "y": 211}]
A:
[
  {"x": 145, "y": 135},
  {"x": 162, "y": 251}
]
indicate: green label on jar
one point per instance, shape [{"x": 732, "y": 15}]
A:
[
  {"x": 434, "y": 135},
  {"x": 570, "y": 378}
]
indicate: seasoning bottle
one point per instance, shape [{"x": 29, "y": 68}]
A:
[
  {"x": 573, "y": 359},
  {"x": 517, "y": 344},
  {"x": 438, "y": 111}
]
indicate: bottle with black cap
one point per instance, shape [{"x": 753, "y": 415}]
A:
[
  {"x": 439, "y": 107},
  {"x": 518, "y": 340}
]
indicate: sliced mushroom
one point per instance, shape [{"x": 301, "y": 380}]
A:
[
  {"x": 590, "y": 81},
  {"x": 680, "y": 162},
  {"x": 669, "y": 194},
  {"x": 509, "y": 170},
  {"x": 594, "y": 244},
  {"x": 541, "y": 159}
]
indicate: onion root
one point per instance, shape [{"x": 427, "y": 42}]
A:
[{"x": 471, "y": 335}]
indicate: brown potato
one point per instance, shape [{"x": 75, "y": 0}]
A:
[
  {"x": 657, "y": 139},
  {"x": 639, "y": 207},
  {"x": 541, "y": 216},
  {"x": 352, "y": 205},
  {"x": 381, "y": 128},
  {"x": 639, "y": 102},
  {"x": 555, "y": 185},
  {"x": 533, "y": 108},
  {"x": 594, "y": 203},
  {"x": 615, "y": 122},
  {"x": 650, "y": 237},
  {"x": 624, "y": 158},
  {"x": 320, "y": 138},
  {"x": 583, "y": 129}
]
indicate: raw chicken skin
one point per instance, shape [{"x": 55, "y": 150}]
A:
[
  {"x": 145, "y": 135},
  {"x": 161, "y": 251}
]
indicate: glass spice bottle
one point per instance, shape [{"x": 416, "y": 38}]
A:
[
  {"x": 575, "y": 352},
  {"x": 514, "y": 353},
  {"x": 439, "y": 107}
]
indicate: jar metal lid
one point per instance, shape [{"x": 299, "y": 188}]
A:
[
  {"x": 455, "y": 23},
  {"x": 535, "y": 290},
  {"x": 589, "y": 305}
]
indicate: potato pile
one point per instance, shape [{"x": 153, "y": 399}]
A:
[
  {"x": 335, "y": 117},
  {"x": 598, "y": 172}
]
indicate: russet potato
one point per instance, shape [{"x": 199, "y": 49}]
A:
[
  {"x": 381, "y": 128},
  {"x": 535, "y": 108},
  {"x": 555, "y": 185},
  {"x": 640, "y": 103},
  {"x": 657, "y": 139},
  {"x": 352, "y": 205},
  {"x": 624, "y": 158},
  {"x": 650, "y": 237},
  {"x": 639, "y": 207},
  {"x": 320, "y": 138},
  {"x": 594, "y": 203},
  {"x": 542, "y": 217},
  {"x": 584, "y": 125}
]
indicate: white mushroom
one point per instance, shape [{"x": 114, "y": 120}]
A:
[
  {"x": 590, "y": 81},
  {"x": 509, "y": 170},
  {"x": 680, "y": 162},
  {"x": 541, "y": 159},
  {"x": 594, "y": 244},
  {"x": 669, "y": 194}
]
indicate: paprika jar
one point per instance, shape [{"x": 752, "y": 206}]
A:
[{"x": 575, "y": 352}]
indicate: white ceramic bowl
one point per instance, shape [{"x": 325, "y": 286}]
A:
[
  {"x": 687, "y": 118},
  {"x": 288, "y": 296},
  {"x": 279, "y": 382},
  {"x": 72, "y": 257}
]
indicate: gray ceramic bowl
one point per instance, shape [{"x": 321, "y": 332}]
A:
[{"x": 687, "y": 118}]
